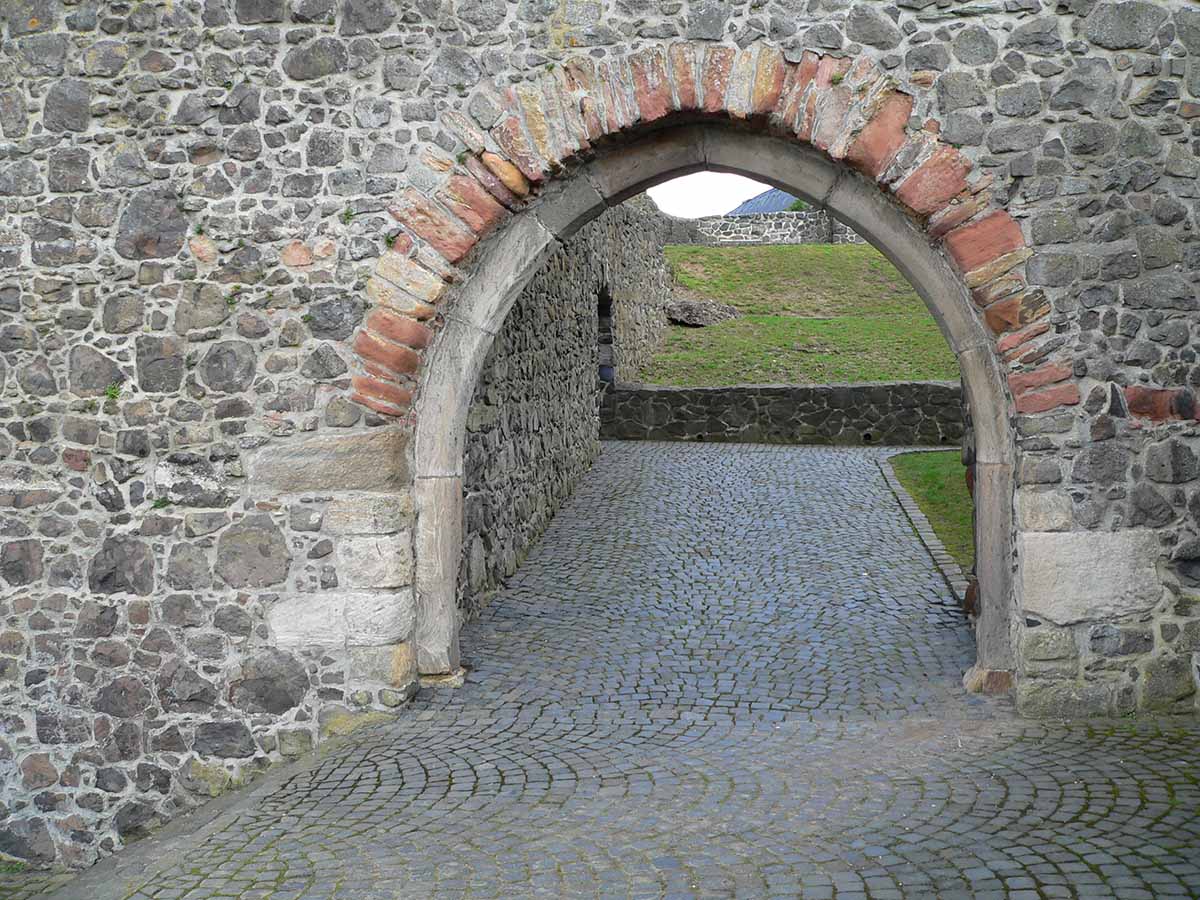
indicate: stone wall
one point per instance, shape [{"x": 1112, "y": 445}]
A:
[
  {"x": 230, "y": 230},
  {"x": 813, "y": 226},
  {"x": 532, "y": 430},
  {"x": 899, "y": 414}
]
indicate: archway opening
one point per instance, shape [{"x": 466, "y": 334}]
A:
[{"x": 623, "y": 170}]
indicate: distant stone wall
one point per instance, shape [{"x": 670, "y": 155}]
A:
[
  {"x": 813, "y": 226},
  {"x": 532, "y": 430},
  {"x": 893, "y": 413}
]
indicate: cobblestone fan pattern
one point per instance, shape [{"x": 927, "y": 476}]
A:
[
  {"x": 812, "y": 226},
  {"x": 531, "y": 431},
  {"x": 237, "y": 235},
  {"x": 725, "y": 671},
  {"x": 900, "y": 413}
]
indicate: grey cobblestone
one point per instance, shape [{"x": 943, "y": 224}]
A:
[{"x": 801, "y": 732}]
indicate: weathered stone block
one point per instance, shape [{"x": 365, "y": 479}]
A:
[
  {"x": 371, "y": 461},
  {"x": 252, "y": 553},
  {"x": 1080, "y": 576},
  {"x": 368, "y": 514},
  {"x": 380, "y": 561},
  {"x": 1059, "y": 698},
  {"x": 343, "y": 619}
]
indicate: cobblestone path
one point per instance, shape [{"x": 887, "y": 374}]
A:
[{"x": 725, "y": 671}]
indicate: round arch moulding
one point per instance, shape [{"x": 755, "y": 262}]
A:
[{"x": 586, "y": 136}]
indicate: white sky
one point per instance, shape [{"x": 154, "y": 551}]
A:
[{"x": 704, "y": 194}]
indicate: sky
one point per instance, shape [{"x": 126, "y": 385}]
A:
[{"x": 704, "y": 194}]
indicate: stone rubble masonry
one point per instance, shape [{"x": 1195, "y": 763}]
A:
[
  {"x": 812, "y": 226},
  {"x": 231, "y": 239},
  {"x": 899, "y": 413},
  {"x": 532, "y": 428}
]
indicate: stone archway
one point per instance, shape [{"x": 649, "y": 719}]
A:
[{"x": 835, "y": 131}]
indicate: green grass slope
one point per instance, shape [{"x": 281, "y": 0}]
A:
[{"x": 812, "y": 313}]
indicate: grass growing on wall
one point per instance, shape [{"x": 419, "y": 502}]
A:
[
  {"x": 937, "y": 482},
  {"x": 812, "y": 313}
]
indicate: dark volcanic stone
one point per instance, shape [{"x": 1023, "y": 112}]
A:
[
  {"x": 316, "y": 59},
  {"x": 225, "y": 739},
  {"x": 21, "y": 562},
  {"x": 124, "y": 697},
  {"x": 152, "y": 226},
  {"x": 91, "y": 373},
  {"x": 123, "y": 565},
  {"x": 27, "y": 839},
  {"x": 252, "y": 553},
  {"x": 68, "y": 106},
  {"x": 228, "y": 366},
  {"x": 335, "y": 319},
  {"x": 272, "y": 682},
  {"x": 159, "y": 363},
  {"x": 182, "y": 689}
]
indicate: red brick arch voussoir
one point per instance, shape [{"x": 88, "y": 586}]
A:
[{"x": 849, "y": 109}]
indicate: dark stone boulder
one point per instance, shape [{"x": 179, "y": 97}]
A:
[
  {"x": 484, "y": 15},
  {"x": 224, "y": 739},
  {"x": 958, "y": 90},
  {"x": 191, "y": 480},
  {"x": 323, "y": 363},
  {"x": 872, "y": 27},
  {"x": 68, "y": 106},
  {"x": 1039, "y": 37},
  {"x": 27, "y": 839},
  {"x": 252, "y": 553},
  {"x": 95, "y": 620},
  {"x": 228, "y": 366},
  {"x": 124, "y": 697},
  {"x": 153, "y": 226},
  {"x": 232, "y": 619},
  {"x": 699, "y": 313},
  {"x": 706, "y": 20},
  {"x": 1171, "y": 462},
  {"x": 59, "y": 727},
  {"x": 202, "y": 307},
  {"x": 122, "y": 313},
  {"x": 1149, "y": 507},
  {"x": 21, "y": 562},
  {"x": 366, "y": 17},
  {"x": 122, "y": 565},
  {"x": 20, "y": 179},
  {"x": 1103, "y": 464},
  {"x": 272, "y": 682},
  {"x": 111, "y": 780},
  {"x": 182, "y": 689},
  {"x": 335, "y": 319},
  {"x": 132, "y": 818},
  {"x": 256, "y": 12},
  {"x": 974, "y": 46},
  {"x": 160, "y": 363},
  {"x": 187, "y": 568},
  {"x": 1124, "y": 26},
  {"x": 316, "y": 59},
  {"x": 90, "y": 372}
]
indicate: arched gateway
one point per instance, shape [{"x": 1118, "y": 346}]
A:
[
  {"x": 840, "y": 133},
  {"x": 232, "y": 461},
  {"x": 835, "y": 131}
]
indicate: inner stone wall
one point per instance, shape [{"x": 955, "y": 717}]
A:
[
  {"x": 812, "y": 226},
  {"x": 885, "y": 413},
  {"x": 533, "y": 426}
]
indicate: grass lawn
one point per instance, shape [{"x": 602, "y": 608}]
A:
[
  {"x": 937, "y": 482},
  {"x": 812, "y": 313}
]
